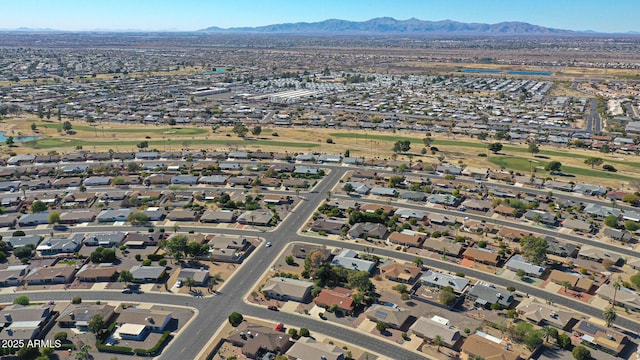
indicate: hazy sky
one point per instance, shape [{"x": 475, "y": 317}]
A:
[{"x": 187, "y": 15}]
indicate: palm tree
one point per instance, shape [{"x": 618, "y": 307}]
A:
[
  {"x": 176, "y": 228},
  {"x": 214, "y": 280},
  {"x": 616, "y": 286},
  {"x": 548, "y": 332},
  {"x": 609, "y": 315},
  {"x": 566, "y": 285},
  {"x": 437, "y": 341},
  {"x": 83, "y": 353},
  {"x": 190, "y": 282},
  {"x": 418, "y": 262}
]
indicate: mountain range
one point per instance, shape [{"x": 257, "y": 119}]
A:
[{"x": 387, "y": 25}]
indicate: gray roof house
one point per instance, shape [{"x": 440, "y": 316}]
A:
[
  {"x": 543, "y": 216},
  {"x": 111, "y": 215},
  {"x": 443, "y": 199},
  {"x": 440, "y": 280},
  {"x": 517, "y": 262},
  {"x": 34, "y": 219},
  {"x": 213, "y": 180},
  {"x": 410, "y": 214},
  {"x": 394, "y": 317},
  {"x": 588, "y": 189},
  {"x": 15, "y": 242},
  {"x": 429, "y": 329},
  {"x": 148, "y": 273},
  {"x": 97, "y": 181},
  {"x": 106, "y": 239},
  {"x": 384, "y": 191},
  {"x": 184, "y": 180},
  {"x": 368, "y": 230},
  {"x": 53, "y": 246},
  {"x": 413, "y": 195},
  {"x": 360, "y": 187},
  {"x": 348, "y": 259},
  {"x": 485, "y": 295},
  {"x": 600, "y": 212}
]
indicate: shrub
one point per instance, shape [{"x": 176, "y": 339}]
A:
[
  {"x": 21, "y": 300},
  {"x": 235, "y": 319},
  {"x": 162, "y": 262},
  {"x": 146, "y": 262},
  {"x": 76, "y": 300},
  {"x": 62, "y": 336},
  {"x": 304, "y": 332},
  {"x": 138, "y": 257}
]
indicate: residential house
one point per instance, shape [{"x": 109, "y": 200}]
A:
[
  {"x": 34, "y": 219},
  {"x": 257, "y": 340},
  {"x": 111, "y": 215},
  {"x": 213, "y": 216},
  {"x": 199, "y": 276},
  {"x": 617, "y": 234},
  {"x": 517, "y": 262},
  {"x": 79, "y": 315},
  {"x": 443, "y": 199},
  {"x": 410, "y": 214},
  {"x": 588, "y": 189},
  {"x": 136, "y": 324},
  {"x": 301, "y": 251},
  {"x": 309, "y": 348},
  {"x": 50, "y": 275},
  {"x": 393, "y": 317},
  {"x": 213, "y": 180},
  {"x": 443, "y": 247},
  {"x": 543, "y": 217},
  {"x": 441, "y": 219},
  {"x": 487, "y": 295},
  {"x": 512, "y": 234},
  {"x": 51, "y": 246},
  {"x": 181, "y": 214},
  {"x": 148, "y": 273},
  {"x": 14, "y": 242},
  {"x": 329, "y": 226},
  {"x": 77, "y": 216},
  {"x": 338, "y": 296},
  {"x": 601, "y": 337},
  {"x": 578, "y": 225},
  {"x": 626, "y": 297},
  {"x": 349, "y": 259},
  {"x": 13, "y": 275},
  {"x": 185, "y": 179},
  {"x": 542, "y": 314},
  {"x": 368, "y": 230},
  {"x": 572, "y": 280},
  {"x": 599, "y": 255},
  {"x": 96, "y": 181},
  {"x": 288, "y": 289},
  {"x": 487, "y": 347},
  {"x": 561, "y": 249},
  {"x": 404, "y": 273},
  {"x": 430, "y": 328},
  {"x": 407, "y": 238},
  {"x": 228, "y": 248},
  {"x": 97, "y": 273},
  {"x": 24, "y": 323},
  {"x": 484, "y": 256},
  {"x": 258, "y": 217},
  {"x": 477, "y": 205},
  {"x": 439, "y": 280},
  {"x": 384, "y": 191},
  {"x": 360, "y": 187},
  {"x": 413, "y": 196},
  {"x": 599, "y": 211}
]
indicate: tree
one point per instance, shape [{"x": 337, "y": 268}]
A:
[
  {"x": 564, "y": 341},
  {"x": 257, "y": 130},
  {"x": 61, "y": 336},
  {"x": 138, "y": 218},
  {"x": 593, "y": 161},
  {"x": 553, "y": 167},
  {"x": 437, "y": 341},
  {"x": 96, "y": 324},
  {"x": 581, "y": 353},
  {"x": 10, "y": 140},
  {"x": 534, "y": 249},
  {"x": 533, "y": 148},
  {"x": 631, "y": 225},
  {"x": 348, "y": 188},
  {"x": 289, "y": 260},
  {"x": 611, "y": 221},
  {"x": 304, "y": 332},
  {"x": 190, "y": 282},
  {"x": 609, "y": 315},
  {"x": 533, "y": 339},
  {"x": 520, "y": 273},
  {"x": 102, "y": 255},
  {"x": 635, "y": 280},
  {"x": 495, "y": 147},
  {"x": 66, "y": 126},
  {"x": 427, "y": 141},
  {"x": 38, "y": 206},
  {"x": 566, "y": 285},
  {"x": 240, "y": 130},
  {"x": 448, "y": 296},
  {"x": 28, "y": 353},
  {"x": 236, "y": 318},
  {"x": 401, "y": 146},
  {"x": 418, "y": 262},
  {"x": 381, "y": 327},
  {"x": 83, "y": 352},
  {"x": 54, "y": 217},
  {"x": 176, "y": 246},
  {"x": 549, "y": 333},
  {"x": 126, "y": 277},
  {"x": 21, "y": 300},
  {"x": 616, "y": 286},
  {"x": 605, "y": 149}
]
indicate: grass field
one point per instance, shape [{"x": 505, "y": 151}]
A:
[
  {"x": 522, "y": 165},
  {"x": 98, "y": 129}
]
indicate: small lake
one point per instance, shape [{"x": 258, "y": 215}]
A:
[
  {"x": 481, "y": 71},
  {"x": 17, "y": 138}
]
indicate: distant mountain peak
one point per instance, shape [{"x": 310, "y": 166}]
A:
[{"x": 389, "y": 25}]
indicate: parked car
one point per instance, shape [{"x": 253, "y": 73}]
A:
[
  {"x": 273, "y": 307},
  {"x": 179, "y": 284},
  {"x": 280, "y": 327}
]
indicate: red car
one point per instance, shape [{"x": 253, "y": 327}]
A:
[{"x": 280, "y": 327}]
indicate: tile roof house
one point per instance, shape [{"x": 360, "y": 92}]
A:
[
  {"x": 200, "y": 276},
  {"x": 368, "y": 230},
  {"x": 428, "y": 329},
  {"x": 541, "y": 313},
  {"x": 407, "y": 239},
  {"x": 288, "y": 289},
  {"x": 404, "y": 273},
  {"x": 329, "y": 226},
  {"x": 628, "y": 298},
  {"x": 13, "y": 275},
  {"x": 484, "y": 256},
  {"x": 338, "y": 296},
  {"x": 393, "y": 317},
  {"x": 50, "y": 275},
  {"x": 96, "y": 273},
  {"x": 476, "y": 345},
  {"x": 148, "y": 273},
  {"x": 51, "y": 246},
  {"x": 25, "y": 322},
  {"x": 578, "y": 225},
  {"x": 309, "y": 348},
  {"x": 601, "y": 337},
  {"x": 257, "y": 340},
  {"x": 79, "y": 315}
]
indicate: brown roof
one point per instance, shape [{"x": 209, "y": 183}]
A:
[
  {"x": 99, "y": 272},
  {"x": 481, "y": 255},
  {"x": 337, "y": 296},
  {"x": 406, "y": 239},
  {"x": 560, "y": 277},
  {"x": 477, "y": 345},
  {"x": 373, "y": 207},
  {"x": 403, "y": 272}
]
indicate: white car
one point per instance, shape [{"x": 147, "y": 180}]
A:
[
  {"x": 179, "y": 284},
  {"x": 268, "y": 244}
]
